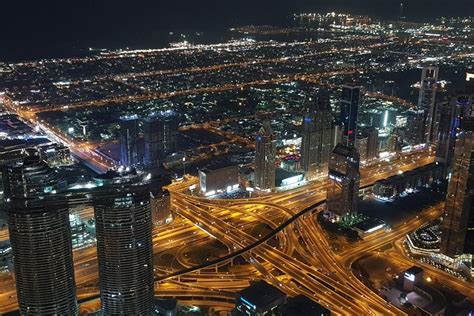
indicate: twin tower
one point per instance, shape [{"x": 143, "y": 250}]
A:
[{"x": 40, "y": 236}]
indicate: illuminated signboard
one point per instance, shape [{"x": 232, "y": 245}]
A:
[
  {"x": 410, "y": 277},
  {"x": 335, "y": 178},
  {"x": 247, "y": 303}
]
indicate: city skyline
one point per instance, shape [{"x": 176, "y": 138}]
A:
[{"x": 315, "y": 159}]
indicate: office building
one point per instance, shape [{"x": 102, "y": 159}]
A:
[
  {"x": 301, "y": 305},
  {"x": 260, "y": 299},
  {"x": 458, "y": 220},
  {"x": 350, "y": 102},
  {"x": 450, "y": 113},
  {"x": 316, "y": 137},
  {"x": 414, "y": 130},
  {"x": 344, "y": 177},
  {"x": 161, "y": 208},
  {"x": 372, "y": 143},
  {"x": 124, "y": 243},
  {"x": 40, "y": 236},
  {"x": 361, "y": 144},
  {"x": 427, "y": 100},
  {"x": 336, "y": 136},
  {"x": 160, "y": 132},
  {"x": 392, "y": 143},
  {"x": 265, "y": 154},
  {"x": 219, "y": 178},
  {"x": 129, "y": 141},
  {"x": 411, "y": 278}
]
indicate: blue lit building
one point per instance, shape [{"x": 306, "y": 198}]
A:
[
  {"x": 260, "y": 299},
  {"x": 350, "y": 101},
  {"x": 129, "y": 140}
]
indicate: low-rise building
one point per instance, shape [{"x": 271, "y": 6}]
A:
[
  {"x": 260, "y": 299},
  {"x": 219, "y": 178}
]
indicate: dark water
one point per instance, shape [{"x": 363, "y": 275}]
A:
[{"x": 54, "y": 28}]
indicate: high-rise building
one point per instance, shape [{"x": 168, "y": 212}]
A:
[
  {"x": 336, "y": 136},
  {"x": 458, "y": 223},
  {"x": 40, "y": 236},
  {"x": 427, "y": 100},
  {"x": 350, "y": 101},
  {"x": 372, "y": 143},
  {"x": 160, "y": 133},
  {"x": 414, "y": 130},
  {"x": 450, "y": 113},
  {"x": 344, "y": 177},
  {"x": 129, "y": 141},
  {"x": 392, "y": 143},
  {"x": 265, "y": 154},
  {"x": 124, "y": 243},
  {"x": 316, "y": 138},
  {"x": 361, "y": 144}
]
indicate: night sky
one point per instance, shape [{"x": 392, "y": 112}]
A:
[{"x": 40, "y": 28}]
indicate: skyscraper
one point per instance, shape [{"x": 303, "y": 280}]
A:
[
  {"x": 372, "y": 143},
  {"x": 427, "y": 100},
  {"x": 459, "y": 217},
  {"x": 129, "y": 141},
  {"x": 265, "y": 154},
  {"x": 344, "y": 177},
  {"x": 160, "y": 132},
  {"x": 316, "y": 138},
  {"x": 449, "y": 114},
  {"x": 350, "y": 101},
  {"x": 124, "y": 243},
  {"x": 40, "y": 235}
]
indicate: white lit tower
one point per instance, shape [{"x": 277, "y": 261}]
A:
[
  {"x": 40, "y": 236},
  {"x": 265, "y": 154},
  {"x": 427, "y": 101},
  {"x": 316, "y": 136},
  {"x": 124, "y": 243}
]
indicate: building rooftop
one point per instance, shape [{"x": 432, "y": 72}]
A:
[
  {"x": 217, "y": 166},
  {"x": 302, "y": 305},
  {"x": 414, "y": 270},
  {"x": 261, "y": 294}
]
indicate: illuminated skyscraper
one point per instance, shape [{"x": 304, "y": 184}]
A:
[
  {"x": 458, "y": 224},
  {"x": 265, "y": 154},
  {"x": 450, "y": 114},
  {"x": 160, "y": 137},
  {"x": 372, "y": 143},
  {"x": 129, "y": 141},
  {"x": 350, "y": 101},
  {"x": 317, "y": 132},
  {"x": 344, "y": 177},
  {"x": 427, "y": 100},
  {"x": 40, "y": 235},
  {"x": 124, "y": 243}
]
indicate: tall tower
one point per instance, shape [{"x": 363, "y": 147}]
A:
[
  {"x": 458, "y": 224},
  {"x": 265, "y": 154},
  {"x": 129, "y": 140},
  {"x": 350, "y": 101},
  {"x": 317, "y": 132},
  {"x": 344, "y": 177},
  {"x": 160, "y": 136},
  {"x": 427, "y": 100},
  {"x": 40, "y": 235},
  {"x": 372, "y": 143},
  {"x": 124, "y": 243},
  {"x": 450, "y": 113}
]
